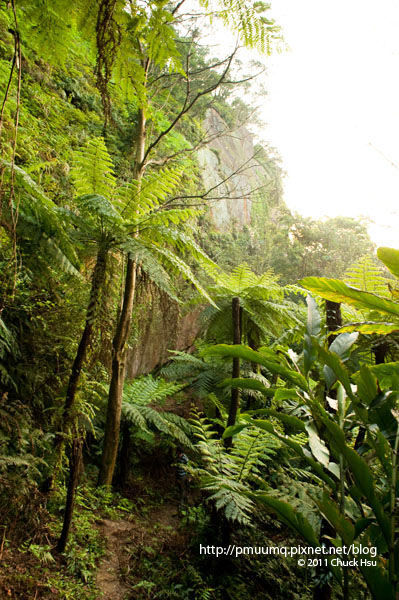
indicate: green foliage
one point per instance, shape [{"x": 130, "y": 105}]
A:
[
  {"x": 201, "y": 376},
  {"x": 366, "y": 486},
  {"x": 255, "y": 29},
  {"x": 337, "y": 291},
  {"x": 136, "y": 408},
  {"x": 227, "y": 476},
  {"x": 265, "y": 310},
  {"x": 371, "y": 297},
  {"x": 368, "y": 276},
  {"x": 390, "y": 258},
  {"x": 92, "y": 172},
  {"x": 41, "y": 223}
]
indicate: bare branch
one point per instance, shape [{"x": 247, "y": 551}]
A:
[{"x": 187, "y": 105}]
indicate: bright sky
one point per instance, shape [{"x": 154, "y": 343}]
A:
[{"x": 333, "y": 108}]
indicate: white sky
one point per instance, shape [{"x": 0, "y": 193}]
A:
[{"x": 331, "y": 95}]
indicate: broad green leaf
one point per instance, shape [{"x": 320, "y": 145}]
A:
[
  {"x": 380, "y": 412},
  {"x": 338, "y": 291},
  {"x": 234, "y": 430},
  {"x": 285, "y": 394},
  {"x": 313, "y": 328},
  {"x": 369, "y": 327},
  {"x": 253, "y": 384},
  {"x": 246, "y": 353},
  {"x": 291, "y": 516},
  {"x": 390, "y": 258},
  {"x": 342, "y": 526},
  {"x": 383, "y": 451},
  {"x": 313, "y": 324},
  {"x": 362, "y": 474},
  {"x": 249, "y": 384},
  {"x": 342, "y": 344},
  {"x": 336, "y": 365},
  {"x": 387, "y": 375},
  {"x": 317, "y": 446},
  {"x": 366, "y": 385},
  {"x": 290, "y": 420}
]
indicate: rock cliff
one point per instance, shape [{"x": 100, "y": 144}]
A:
[{"x": 228, "y": 162}]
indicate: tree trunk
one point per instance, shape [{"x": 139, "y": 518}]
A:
[
  {"x": 75, "y": 462},
  {"x": 379, "y": 349},
  {"x": 119, "y": 343},
  {"x": 114, "y": 409},
  {"x": 97, "y": 282},
  {"x": 124, "y": 457},
  {"x": 235, "y": 392},
  {"x": 333, "y": 318}
]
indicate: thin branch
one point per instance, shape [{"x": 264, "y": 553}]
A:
[{"x": 187, "y": 105}]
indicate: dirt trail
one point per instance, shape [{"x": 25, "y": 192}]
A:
[
  {"x": 126, "y": 541},
  {"x": 109, "y": 581}
]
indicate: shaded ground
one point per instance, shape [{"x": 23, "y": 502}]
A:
[
  {"x": 109, "y": 575},
  {"x": 129, "y": 543}
]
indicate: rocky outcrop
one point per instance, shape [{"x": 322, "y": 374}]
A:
[
  {"x": 165, "y": 328},
  {"x": 229, "y": 166}
]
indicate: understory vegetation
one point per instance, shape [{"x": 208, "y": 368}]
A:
[{"x": 157, "y": 297}]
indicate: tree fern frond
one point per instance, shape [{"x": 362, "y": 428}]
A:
[
  {"x": 92, "y": 171},
  {"x": 150, "y": 266},
  {"x": 177, "y": 265},
  {"x": 42, "y": 221},
  {"x": 133, "y": 415},
  {"x": 367, "y": 275},
  {"x": 145, "y": 390}
]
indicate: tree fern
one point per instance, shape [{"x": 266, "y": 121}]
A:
[
  {"x": 201, "y": 376},
  {"x": 140, "y": 401},
  {"x": 264, "y": 308}
]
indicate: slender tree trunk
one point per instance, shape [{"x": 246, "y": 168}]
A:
[
  {"x": 235, "y": 392},
  {"x": 124, "y": 458},
  {"x": 333, "y": 318},
  {"x": 119, "y": 343},
  {"x": 75, "y": 462},
  {"x": 97, "y": 282},
  {"x": 114, "y": 409}
]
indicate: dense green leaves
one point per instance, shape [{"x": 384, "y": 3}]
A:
[
  {"x": 337, "y": 291},
  {"x": 246, "y": 353}
]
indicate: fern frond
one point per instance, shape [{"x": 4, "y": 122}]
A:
[
  {"x": 92, "y": 171},
  {"x": 367, "y": 275},
  {"x": 41, "y": 221}
]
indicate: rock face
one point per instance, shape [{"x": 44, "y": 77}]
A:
[
  {"x": 162, "y": 331},
  {"x": 228, "y": 162}
]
